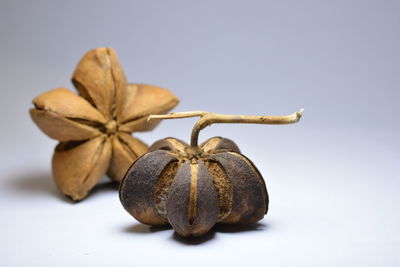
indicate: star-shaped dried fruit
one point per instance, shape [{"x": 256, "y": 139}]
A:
[{"x": 94, "y": 128}]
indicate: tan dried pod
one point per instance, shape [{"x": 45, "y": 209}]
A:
[
  {"x": 194, "y": 187},
  {"x": 94, "y": 128}
]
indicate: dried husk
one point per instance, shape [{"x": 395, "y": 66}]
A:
[
  {"x": 218, "y": 185},
  {"x": 94, "y": 128},
  {"x": 78, "y": 167}
]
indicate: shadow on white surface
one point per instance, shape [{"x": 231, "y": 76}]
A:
[
  {"x": 139, "y": 228},
  {"x": 105, "y": 186},
  {"x": 41, "y": 183},
  {"x": 233, "y": 228},
  {"x": 34, "y": 183},
  {"x": 219, "y": 228},
  {"x": 194, "y": 240}
]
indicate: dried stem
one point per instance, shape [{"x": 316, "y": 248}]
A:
[{"x": 208, "y": 118}]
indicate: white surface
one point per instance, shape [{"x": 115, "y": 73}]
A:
[{"x": 327, "y": 208}]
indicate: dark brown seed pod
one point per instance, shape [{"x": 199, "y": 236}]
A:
[{"x": 194, "y": 187}]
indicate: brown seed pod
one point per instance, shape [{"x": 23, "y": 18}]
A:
[
  {"x": 194, "y": 187},
  {"x": 94, "y": 128}
]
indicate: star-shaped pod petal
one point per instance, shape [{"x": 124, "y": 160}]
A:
[
  {"x": 94, "y": 128},
  {"x": 100, "y": 79},
  {"x": 64, "y": 116}
]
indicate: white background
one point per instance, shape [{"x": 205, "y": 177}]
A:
[{"x": 333, "y": 179}]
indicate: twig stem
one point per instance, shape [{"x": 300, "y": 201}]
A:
[{"x": 208, "y": 118}]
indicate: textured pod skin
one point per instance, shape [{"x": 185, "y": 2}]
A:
[
  {"x": 136, "y": 193},
  {"x": 194, "y": 191},
  {"x": 192, "y": 213}
]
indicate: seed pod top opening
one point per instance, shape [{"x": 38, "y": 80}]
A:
[{"x": 193, "y": 187}]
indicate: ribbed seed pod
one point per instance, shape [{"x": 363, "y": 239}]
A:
[
  {"x": 193, "y": 192},
  {"x": 194, "y": 187}
]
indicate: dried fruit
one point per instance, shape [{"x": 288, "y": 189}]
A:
[
  {"x": 194, "y": 187},
  {"x": 94, "y": 128}
]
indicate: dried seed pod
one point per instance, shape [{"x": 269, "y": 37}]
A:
[
  {"x": 194, "y": 187},
  {"x": 94, "y": 128}
]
